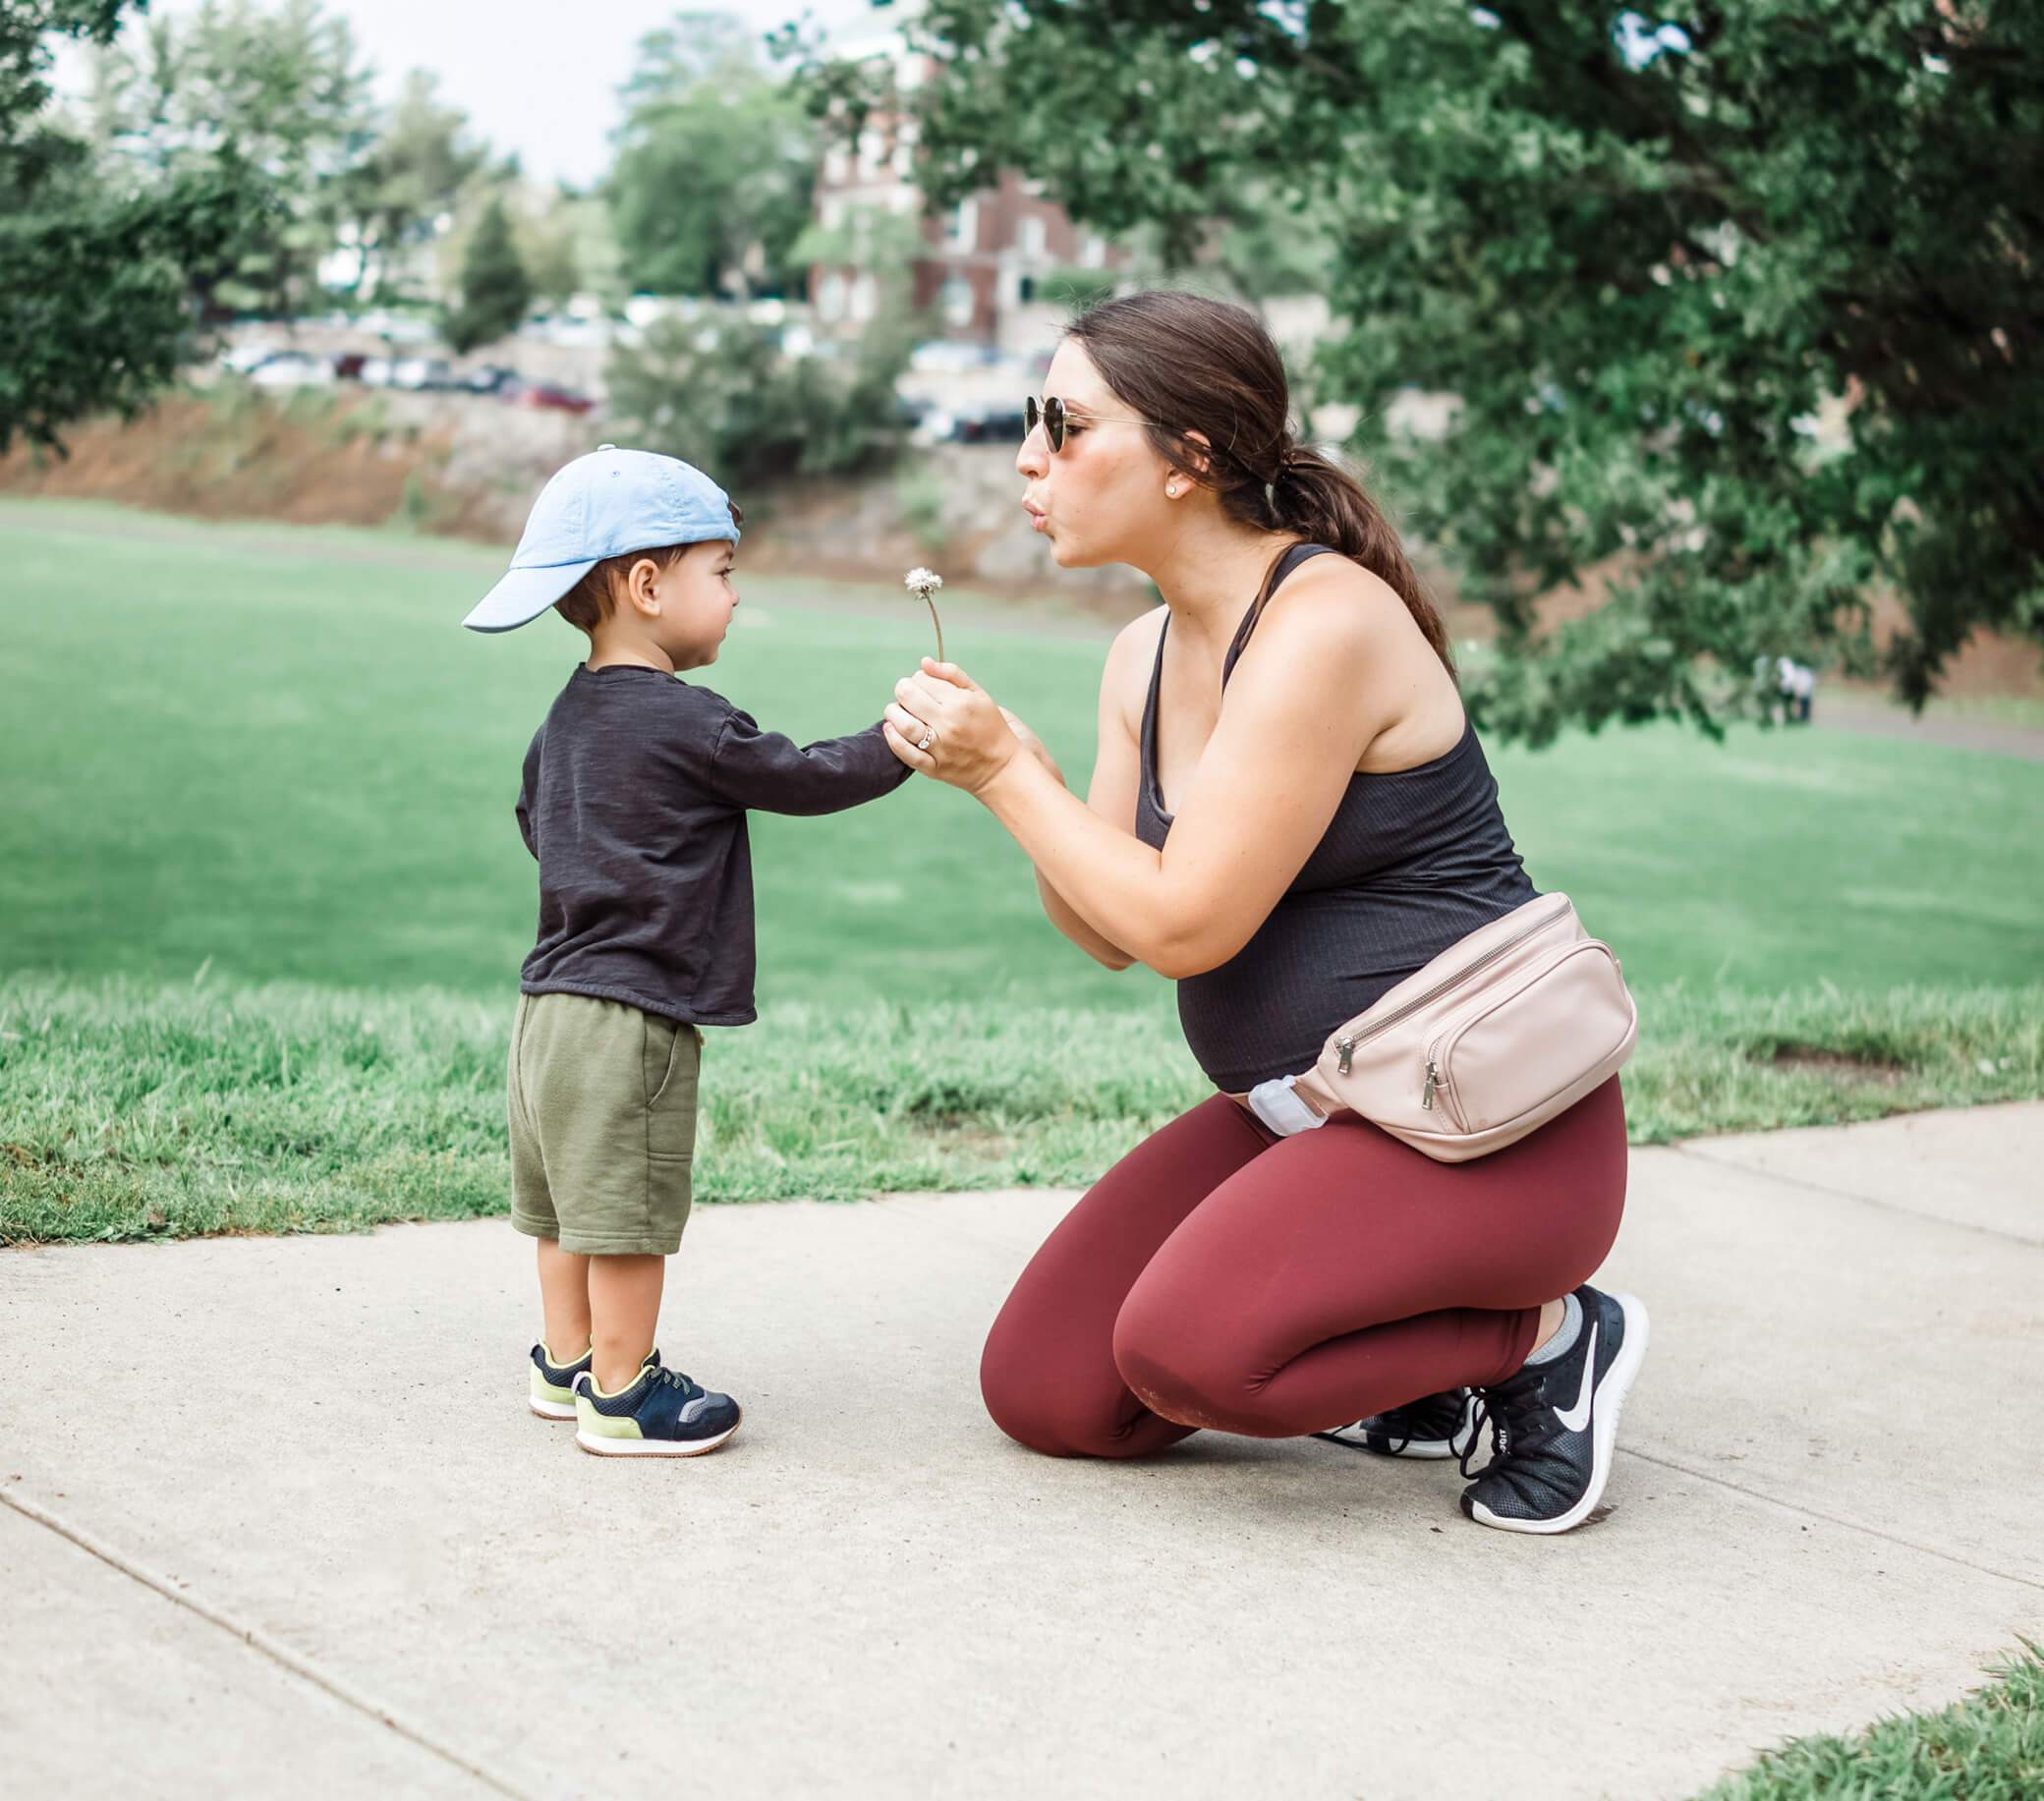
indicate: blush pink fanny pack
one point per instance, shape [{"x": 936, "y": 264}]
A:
[{"x": 1502, "y": 1031}]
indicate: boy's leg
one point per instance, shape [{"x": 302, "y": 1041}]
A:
[
  {"x": 564, "y": 1300},
  {"x": 624, "y": 1314}
]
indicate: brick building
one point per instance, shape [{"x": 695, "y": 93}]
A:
[{"x": 981, "y": 269}]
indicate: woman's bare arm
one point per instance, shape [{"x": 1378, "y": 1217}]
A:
[{"x": 1116, "y": 769}]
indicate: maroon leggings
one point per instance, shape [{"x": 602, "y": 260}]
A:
[{"x": 1220, "y": 1275}]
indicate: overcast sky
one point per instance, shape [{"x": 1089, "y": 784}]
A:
[{"x": 540, "y": 76}]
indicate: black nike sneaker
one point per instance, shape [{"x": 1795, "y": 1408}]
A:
[
  {"x": 1434, "y": 1426},
  {"x": 1555, "y": 1425}
]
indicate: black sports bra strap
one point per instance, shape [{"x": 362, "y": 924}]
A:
[{"x": 1279, "y": 570}]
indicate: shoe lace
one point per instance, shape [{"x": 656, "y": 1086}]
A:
[
  {"x": 674, "y": 1378},
  {"x": 1515, "y": 1410}
]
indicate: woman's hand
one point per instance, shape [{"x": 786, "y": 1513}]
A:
[{"x": 971, "y": 740}]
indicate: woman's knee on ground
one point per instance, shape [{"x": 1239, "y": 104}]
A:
[
  {"x": 1038, "y": 1402},
  {"x": 1181, "y": 1365}
]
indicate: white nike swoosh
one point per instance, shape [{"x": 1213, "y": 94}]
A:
[{"x": 1575, "y": 1418}]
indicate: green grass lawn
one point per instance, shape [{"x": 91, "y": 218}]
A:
[{"x": 275, "y": 749}]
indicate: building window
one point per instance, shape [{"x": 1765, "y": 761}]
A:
[
  {"x": 831, "y": 296},
  {"x": 1094, "y": 253},
  {"x": 1024, "y": 289},
  {"x": 964, "y": 229},
  {"x": 1032, "y": 239},
  {"x": 956, "y": 301}
]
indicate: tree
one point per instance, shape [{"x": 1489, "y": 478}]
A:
[
  {"x": 549, "y": 244},
  {"x": 1743, "y": 302},
  {"x": 102, "y": 283},
  {"x": 715, "y": 166},
  {"x": 393, "y": 199},
  {"x": 281, "y": 91},
  {"x": 495, "y": 288}
]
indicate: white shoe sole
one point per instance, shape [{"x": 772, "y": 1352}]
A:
[
  {"x": 599, "y": 1446},
  {"x": 1606, "y": 1403},
  {"x": 551, "y": 1410}
]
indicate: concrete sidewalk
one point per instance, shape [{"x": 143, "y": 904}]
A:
[{"x": 278, "y": 1520}]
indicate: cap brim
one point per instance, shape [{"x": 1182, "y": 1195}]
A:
[{"x": 524, "y": 594}]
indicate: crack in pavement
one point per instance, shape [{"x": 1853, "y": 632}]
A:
[
  {"x": 1847, "y": 1193},
  {"x": 1831, "y": 1519},
  {"x": 257, "y": 1640}
]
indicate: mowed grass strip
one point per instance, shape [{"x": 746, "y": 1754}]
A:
[
  {"x": 1987, "y": 1747},
  {"x": 131, "y": 1111}
]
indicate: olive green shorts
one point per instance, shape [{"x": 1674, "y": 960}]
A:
[{"x": 603, "y": 1106}]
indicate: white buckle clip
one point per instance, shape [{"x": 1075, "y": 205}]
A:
[{"x": 1280, "y": 1109}]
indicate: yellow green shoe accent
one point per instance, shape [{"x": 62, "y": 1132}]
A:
[{"x": 553, "y": 1394}]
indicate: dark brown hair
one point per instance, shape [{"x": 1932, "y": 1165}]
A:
[
  {"x": 1186, "y": 362},
  {"x": 592, "y": 600}
]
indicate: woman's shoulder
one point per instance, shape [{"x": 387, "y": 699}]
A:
[
  {"x": 1130, "y": 658},
  {"x": 1137, "y": 639},
  {"x": 1336, "y": 605}
]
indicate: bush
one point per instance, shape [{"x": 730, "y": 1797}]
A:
[{"x": 718, "y": 392}]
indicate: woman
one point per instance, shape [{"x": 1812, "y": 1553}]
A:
[{"x": 1289, "y": 813}]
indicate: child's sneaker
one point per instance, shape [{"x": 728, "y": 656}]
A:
[
  {"x": 553, "y": 1383},
  {"x": 660, "y": 1414}
]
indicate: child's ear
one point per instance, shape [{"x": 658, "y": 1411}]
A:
[{"x": 642, "y": 587}]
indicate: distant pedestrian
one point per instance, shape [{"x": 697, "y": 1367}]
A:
[{"x": 1797, "y": 682}]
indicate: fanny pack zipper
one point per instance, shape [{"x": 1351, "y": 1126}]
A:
[{"x": 1346, "y": 1047}]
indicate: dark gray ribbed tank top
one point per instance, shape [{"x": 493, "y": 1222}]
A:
[{"x": 1411, "y": 862}]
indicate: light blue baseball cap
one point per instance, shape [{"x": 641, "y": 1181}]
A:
[{"x": 604, "y": 504}]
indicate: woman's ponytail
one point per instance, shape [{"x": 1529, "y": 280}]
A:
[{"x": 1324, "y": 504}]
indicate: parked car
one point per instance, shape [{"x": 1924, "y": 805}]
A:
[
  {"x": 292, "y": 368},
  {"x": 989, "y": 426},
  {"x": 545, "y": 394},
  {"x": 347, "y": 365},
  {"x": 419, "y": 373},
  {"x": 492, "y": 378},
  {"x": 243, "y": 359}
]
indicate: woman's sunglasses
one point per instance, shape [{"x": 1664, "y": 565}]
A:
[{"x": 1051, "y": 414}]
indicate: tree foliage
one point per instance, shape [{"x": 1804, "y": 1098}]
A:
[
  {"x": 279, "y": 88},
  {"x": 718, "y": 392},
  {"x": 715, "y": 166},
  {"x": 411, "y": 177},
  {"x": 1742, "y": 301},
  {"x": 495, "y": 290},
  {"x": 102, "y": 282}
]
